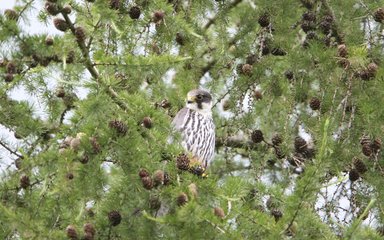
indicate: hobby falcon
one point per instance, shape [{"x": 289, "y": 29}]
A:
[{"x": 196, "y": 126}]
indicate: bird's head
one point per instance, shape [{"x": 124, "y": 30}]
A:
[{"x": 200, "y": 100}]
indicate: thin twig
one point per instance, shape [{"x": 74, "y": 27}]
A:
[
  {"x": 91, "y": 68},
  {"x": 10, "y": 150},
  {"x": 226, "y": 9}
]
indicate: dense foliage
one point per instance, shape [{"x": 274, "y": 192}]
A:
[{"x": 298, "y": 86}]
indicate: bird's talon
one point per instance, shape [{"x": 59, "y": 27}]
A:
[{"x": 197, "y": 170}]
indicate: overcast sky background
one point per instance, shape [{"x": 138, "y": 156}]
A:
[{"x": 33, "y": 26}]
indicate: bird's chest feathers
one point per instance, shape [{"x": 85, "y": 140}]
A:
[{"x": 199, "y": 125}]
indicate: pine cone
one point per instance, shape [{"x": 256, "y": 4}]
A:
[
  {"x": 344, "y": 63},
  {"x": 134, "y": 12},
  {"x": 182, "y": 199},
  {"x": 11, "y": 14},
  {"x": 158, "y": 16},
  {"x": 67, "y": 9},
  {"x": 279, "y": 153},
  {"x": 353, "y": 175},
  {"x": 258, "y": 95},
  {"x": 308, "y": 26},
  {"x": 219, "y": 212},
  {"x": 359, "y": 166},
  {"x": 75, "y": 143},
  {"x": 158, "y": 177},
  {"x": 69, "y": 176},
  {"x": 257, "y": 136},
  {"x": 147, "y": 122},
  {"x": 246, "y": 69},
  {"x": 147, "y": 183},
  {"x": 60, "y": 24},
  {"x": 51, "y": 8},
  {"x": 277, "y": 140},
  {"x": 342, "y": 51},
  {"x": 226, "y": 105},
  {"x": 60, "y": 92},
  {"x": 326, "y": 24},
  {"x": 71, "y": 232},
  {"x": 95, "y": 145},
  {"x": 80, "y": 34},
  {"x": 277, "y": 214},
  {"x": 11, "y": 68},
  {"x": 70, "y": 57},
  {"x": 251, "y": 59},
  {"x": 309, "y": 16},
  {"x": 289, "y": 74},
  {"x": 88, "y": 236},
  {"x": 264, "y": 20},
  {"x": 114, "y": 218},
  {"x": 143, "y": 173},
  {"x": 367, "y": 150},
  {"x": 8, "y": 77},
  {"x": 365, "y": 75},
  {"x": 311, "y": 35},
  {"x": 315, "y": 103},
  {"x": 300, "y": 144},
  {"x": 378, "y": 15},
  {"x": 328, "y": 18},
  {"x": 49, "y": 41},
  {"x": 119, "y": 126},
  {"x": 114, "y": 4},
  {"x": 24, "y": 182},
  {"x": 372, "y": 69},
  {"x": 182, "y": 162},
  {"x": 44, "y": 61},
  {"x": 84, "y": 159},
  {"x": 90, "y": 229}
]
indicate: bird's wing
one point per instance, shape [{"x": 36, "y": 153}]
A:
[{"x": 179, "y": 119}]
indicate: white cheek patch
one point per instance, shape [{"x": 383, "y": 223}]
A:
[
  {"x": 192, "y": 106},
  {"x": 207, "y": 106}
]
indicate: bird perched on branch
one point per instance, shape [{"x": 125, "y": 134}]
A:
[{"x": 197, "y": 129}]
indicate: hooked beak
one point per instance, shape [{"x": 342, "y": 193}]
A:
[{"x": 191, "y": 99}]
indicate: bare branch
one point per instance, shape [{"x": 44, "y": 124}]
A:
[
  {"x": 226, "y": 9},
  {"x": 91, "y": 67},
  {"x": 10, "y": 150}
]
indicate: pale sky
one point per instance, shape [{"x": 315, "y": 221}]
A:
[{"x": 33, "y": 27}]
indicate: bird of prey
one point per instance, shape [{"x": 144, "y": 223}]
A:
[{"x": 196, "y": 126}]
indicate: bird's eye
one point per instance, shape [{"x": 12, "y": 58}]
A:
[{"x": 199, "y": 97}]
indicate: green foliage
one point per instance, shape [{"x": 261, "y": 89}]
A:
[{"x": 78, "y": 159}]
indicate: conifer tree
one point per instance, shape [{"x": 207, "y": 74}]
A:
[{"x": 297, "y": 86}]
